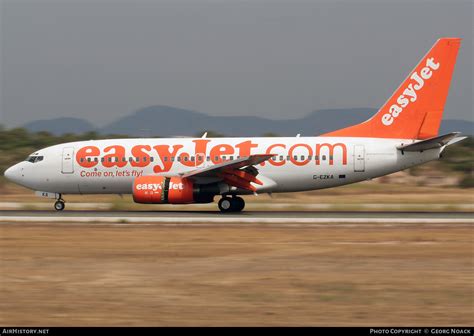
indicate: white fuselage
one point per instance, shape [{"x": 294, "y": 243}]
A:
[{"x": 300, "y": 163}]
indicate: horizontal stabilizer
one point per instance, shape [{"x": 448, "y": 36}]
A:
[
  {"x": 436, "y": 142},
  {"x": 453, "y": 141}
]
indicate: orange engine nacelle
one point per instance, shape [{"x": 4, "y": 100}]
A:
[{"x": 160, "y": 189}]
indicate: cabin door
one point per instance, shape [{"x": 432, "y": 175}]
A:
[
  {"x": 68, "y": 160},
  {"x": 359, "y": 158}
]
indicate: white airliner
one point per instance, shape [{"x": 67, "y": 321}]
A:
[{"x": 402, "y": 134}]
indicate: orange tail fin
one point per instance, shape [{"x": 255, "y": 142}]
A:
[{"x": 415, "y": 109}]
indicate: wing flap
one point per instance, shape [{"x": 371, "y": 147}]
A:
[{"x": 231, "y": 172}]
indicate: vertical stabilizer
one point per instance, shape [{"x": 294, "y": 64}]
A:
[{"x": 415, "y": 109}]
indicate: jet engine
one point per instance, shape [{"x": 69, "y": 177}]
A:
[{"x": 172, "y": 190}]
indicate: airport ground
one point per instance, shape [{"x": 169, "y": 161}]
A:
[
  {"x": 227, "y": 274},
  {"x": 133, "y": 273}
]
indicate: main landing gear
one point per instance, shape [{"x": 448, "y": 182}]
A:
[
  {"x": 231, "y": 204},
  {"x": 59, "y": 205}
]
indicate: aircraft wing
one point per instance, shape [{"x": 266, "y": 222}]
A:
[{"x": 231, "y": 171}]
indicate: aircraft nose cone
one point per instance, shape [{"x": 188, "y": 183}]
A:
[
  {"x": 9, "y": 173},
  {"x": 12, "y": 173}
]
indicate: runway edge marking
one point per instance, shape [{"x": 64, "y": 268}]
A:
[{"x": 124, "y": 220}]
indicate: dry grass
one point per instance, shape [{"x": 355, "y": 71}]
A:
[{"x": 230, "y": 275}]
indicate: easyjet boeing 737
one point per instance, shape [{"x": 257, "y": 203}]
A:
[{"x": 402, "y": 134}]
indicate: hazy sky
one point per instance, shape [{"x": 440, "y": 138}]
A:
[{"x": 101, "y": 59}]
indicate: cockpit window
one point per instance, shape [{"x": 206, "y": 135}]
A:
[{"x": 34, "y": 158}]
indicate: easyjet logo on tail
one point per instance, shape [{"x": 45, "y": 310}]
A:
[{"x": 410, "y": 94}]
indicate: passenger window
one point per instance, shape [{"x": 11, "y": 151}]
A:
[
  {"x": 152, "y": 159},
  {"x": 166, "y": 159},
  {"x": 281, "y": 157},
  {"x": 192, "y": 158},
  {"x": 186, "y": 158},
  {"x": 324, "y": 157},
  {"x": 178, "y": 158}
]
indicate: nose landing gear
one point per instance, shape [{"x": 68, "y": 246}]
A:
[
  {"x": 231, "y": 204},
  {"x": 59, "y": 205}
]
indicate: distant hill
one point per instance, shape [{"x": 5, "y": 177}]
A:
[
  {"x": 454, "y": 125},
  {"x": 60, "y": 126},
  {"x": 167, "y": 121}
]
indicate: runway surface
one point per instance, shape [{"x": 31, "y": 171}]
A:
[
  {"x": 271, "y": 217},
  {"x": 244, "y": 214}
]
